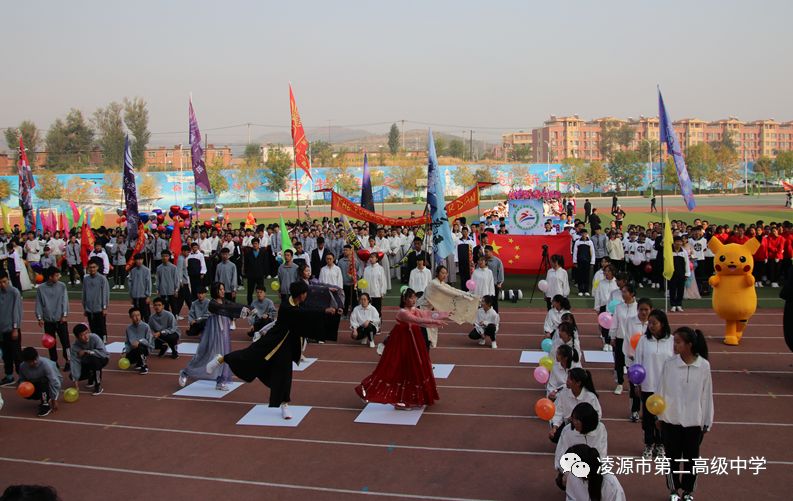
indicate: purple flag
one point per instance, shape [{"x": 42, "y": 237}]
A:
[
  {"x": 367, "y": 199},
  {"x": 199, "y": 168},
  {"x": 130, "y": 194},
  {"x": 669, "y": 137}
]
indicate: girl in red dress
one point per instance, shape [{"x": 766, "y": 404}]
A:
[{"x": 404, "y": 378}]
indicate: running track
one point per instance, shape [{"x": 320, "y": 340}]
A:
[{"x": 480, "y": 441}]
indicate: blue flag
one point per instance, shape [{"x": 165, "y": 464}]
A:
[
  {"x": 39, "y": 224},
  {"x": 442, "y": 242},
  {"x": 669, "y": 137},
  {"x": 130, "y": 194}
]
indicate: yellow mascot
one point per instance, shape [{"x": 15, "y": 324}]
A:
[{"x": 734, "y": 297}]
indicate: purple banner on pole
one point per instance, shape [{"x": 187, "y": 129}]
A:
[
  {"x": 130, "y": 194},
  {"x": 199, "y": 168},
  {"x": 669, "y": 137}
]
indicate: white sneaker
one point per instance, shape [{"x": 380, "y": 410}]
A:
[
  {"x": 587, "y": 294},
  {"x": 120, "y": 286},
  {"x": 364, "y": 341},
  {"x": 618, "y": 390},
  {"x": 580, "y": 293},
  {"x": 493, "y": 345},
  {"x": 611, "y": 348},
  {"x": 371, "y": 344},
  {"x": 773, "y": 284},
  {"x": 269, "y": 277},
  {"x": 115, "y": 287},
  {"x": 182, "y": 379},
  {"x": 285, "y": 412},
  {"x": 482, "y": 342},
  {"x": 256, "y": 336},
  {"x": 760, "y": 284},
  {"x": 222, "y": 387},
  {"x": 648, "y": 452},
  {"x": 233, "y": 326},
  {"x": 680, "y": 308},
  {"x": 660, "y": 451},
  {"x": 214, "y": 364},
  {"x": 239, "y": 288},
  {"x": 606, "y": 347},
  {"x": 77, "y": 282},
  {"x": 380, "y": 348}
]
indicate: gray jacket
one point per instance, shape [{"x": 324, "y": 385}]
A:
[
  {"x": 167, "y": 279},
  {"x": 52, "y": 301},
  {"x": 286, "y": 276},
  {"x": 163, "y": 322},
  {"x": 199, "y": 310},
  {"x": 139, "y": 282},
  {"x": 140, "y": 333},
  {"x": 226, "y": 273},
  {"x": 46, "y": 371},
  {"x": 10, "y": 309},
  {"x": 96, "y": 293},
  {"x": 94, "y": 345}
]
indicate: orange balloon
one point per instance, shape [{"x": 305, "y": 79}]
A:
[
  {"x": 635, "y": 340},
  {"x": 39, "y": 278},
  {"x": 544, "y": 409},
  {"x": 25, "y": 389}
]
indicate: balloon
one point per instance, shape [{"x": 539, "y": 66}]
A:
[
  {"x": 221, "y": 217},
  {"x": 635, "y": 340},
  {"x": 636, "y": 374},
  {"x": 542, "y": 285},
  {"x": 363, "y": 254},
  {"x": 655, "y": 404},
  {"x": 470, "y": 284},
  {"x": 47, "y": 341},
  {"x": 544, "y": 409},
  {"x": 123, "y": 219},
  {"x": 403, "y": 289},
  {"x": 184, "y": 214},
  {"x": 35, "y": 267},
  {"x": 144, "y": 217},
  {"x": 275, "y": 285},
  {"x": 612, "y": 306},
  {"x": 171, "y": 214},
  {"x": 160, "y": 218},
  {"x": 71, "y": 395},
  {"x": 188, "y": 208},
  {"x": 541, "y": 374},
  {"x": 363, "y": 283},
  {"x": 39, "y": 278},
  {"x": 605, "y": 319},
  {"x": 218, "y": 209},
  {"x": 25, "y": 389},
  {"x": 648, "y": 268},
  {"x": 161, "y": 228},
  {"x": 175, "y": 208},
  {"x": 169, "y": 227},
  {"x": 546, "y": 345},
  {"x": 208, "y": 224},
  {"x": 691, "y": 265},
  {"x": 546, "y": 362},
  {"x": 595, "y": 284},
  {"x": 123, "y": 363},
  {"x": 118, "y": 220}
]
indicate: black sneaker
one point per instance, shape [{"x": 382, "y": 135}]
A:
[
  {"x": 8, "y": 381},
  {"x": 44, "y": 410},
  {"x": 174, "y": 354},
  {"x": 144, "y": 370},
  {"x": 162, "y": 352},
  {"x": 97, "y": 389},
  {"x": 67, "y": 367}
]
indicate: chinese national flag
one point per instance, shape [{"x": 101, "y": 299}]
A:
[
  {"x": 299, "y": 140},
  {"x": 86, "y": 243},
  {"x": 522, "y": 254}
]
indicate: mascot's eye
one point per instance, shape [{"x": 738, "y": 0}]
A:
[
  {"x": 743, "y": 259},
  {"x": 722, "y": 258}
]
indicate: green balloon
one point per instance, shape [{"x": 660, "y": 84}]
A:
[{"x": 403, "y": 289}]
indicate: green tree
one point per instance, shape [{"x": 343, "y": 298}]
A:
[
  {"x": 456, "y": 148},
  {"x": 463, "y": 176},
  {"x": 31, "y": 137},
  {"x": 136, "y": 117},
  {"x": 670, "y": 174},
  {"x": 377, "y": 176},
  {"x": 614, "y": 138},
  {"x": 484, "y": 174},
  {"x": 148, "y": 188},
  {"x": 69, "y": 141},
  {"x": 110, "y": 134},
  {"x": 217, "y": 179},
  {"x": 727, "y": 171},
  {"x": 783, "y": 164},
  {"x": 440, "y": 146},
  {"x": 248, "y": 177},
  {"x": 346, "y": 182},
  {"x": 649, "y": 150},
  {"x": 393, "y": 139},
  {"x": 573, "y": 170},
  {"x": 595, "y": 174},
  {"x": 521, "y": 153},
  {"x": 48, "y": 188},
  {"x": 340, "y": 159},
  {"x": 519, "y": 175},
  {"x": 763, "y": 166},
  {"x": 276, "y": 171},
  {"x": 406, "y": 178},
  {"x": 625, "y": 169},
  {"x": 700, "y": 161},
  {"x": 380, "y": 156},
  {"x": 321, "y": 153}
]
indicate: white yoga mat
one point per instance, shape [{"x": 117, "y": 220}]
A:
[
  {"x": 262, "y": 415},
  {"x": 386, "y": 414},
  {"x": 116, "y": 347},
  {"x": 531, "y": 357},
  {"x": 599, "y": 357},
  {"x": 187, "y": 348},
  {"x": 303, "y": 365},
  {"x": 442, "y": 371},
  {"x": 205, "y": 389}
]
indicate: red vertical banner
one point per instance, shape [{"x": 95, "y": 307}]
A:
[
  {"x": 176, "y": 240},
  {"x": 299, "y": 140}
]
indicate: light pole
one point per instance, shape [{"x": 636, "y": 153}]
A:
[
  {"x": 745, "y": 171},
  {"x": 548, "y": 163},
  {"x": 649, "y": 161}
]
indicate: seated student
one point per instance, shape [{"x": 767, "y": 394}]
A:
[
  {"x": 138, "y": 341},
  {"x": 364, "y": 321},
  {"x": 594, "y": 486},
  {"x": 559, "y": 306},
  {"x": 486, "y": 324},
  {"x": 262, "y": 311},
  {"x": 89, "y": 357},
  {"x": 163, "y": 327},
  {"x": 45, "y": 377},
  {"x": 566, "y": 359},
  {"x": 579, "y": 389},
  {"x": 199, "y": 312},
  {"x": 585, "y": 428}
]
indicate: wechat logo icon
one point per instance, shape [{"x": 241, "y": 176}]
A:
[{"x": 572, "y": 463}]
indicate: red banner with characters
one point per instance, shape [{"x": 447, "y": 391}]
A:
[{"x": 522, "y": 254}]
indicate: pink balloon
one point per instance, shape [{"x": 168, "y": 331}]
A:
[
  {"x": 541, "y": 374},
  {"x": 605, "y": 320},
  {"x": 470, "y": 285}
]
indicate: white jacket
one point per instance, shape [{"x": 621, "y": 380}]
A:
[
  {"x": 622, "y": 321},
  {"x": 603, "y": 292},
  {"x": 360, "y": 315},
  {"x": 578, "y": 490},
  {"x": 652, "y": 354},
  {"x": 558, "y": 283},
  {"x": 484, "y": 318},
  {"x": 566, "y": 402},
  {"x": 419, "y": 279},
  {"x": 553, "y": 318},
  {"x": 597, "y": 438},
  {"x": 331, "y": 275},
  {"x": 688, "y": 392},
  {"x": 375, "y": 278},
  {"x": 485, "y": 283}
]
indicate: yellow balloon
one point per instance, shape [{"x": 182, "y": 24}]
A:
[
  {"x": 123, "y": 364},
  {"x": 363, "y": 283},
  {"x": 547, "y": 362},
  {"x": 656, "y": 404},
  {"x": 275, "y": 285},
  {"x": 595, "y": 284},
  {"x": 71, "y": 395}
]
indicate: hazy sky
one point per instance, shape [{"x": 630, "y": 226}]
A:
[{"x": 487, "y": 65}]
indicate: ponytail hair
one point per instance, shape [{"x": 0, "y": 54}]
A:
[
  {"x": 570, "y": 318},
  {"x": 568, "y": 328},
  {"x": 696, "y": 339},
  {"x": 584, "y": 378},
  {"x": 590, "y": 456},
  {"x": 569, "y": 355},
  {"x": 563, "y": 301}
]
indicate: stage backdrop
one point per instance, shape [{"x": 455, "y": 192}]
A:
[{"x": 522, "y": 254}]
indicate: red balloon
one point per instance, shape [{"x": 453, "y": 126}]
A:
[
  {"x": 47, "y": 341},
  {"x": 161, "y": 228},
  {"x": 118, "y": 220},
  {"x": 208, "y": 224},
  {"x": 184, "y": 214},
  {"x": 160, "y": 219},
  {"x": 363, "y": 254},
  {"x": 648, "y": 268},
  {"x": 175, "y": 208},
  {"x": 39, "y": 278},
  {"x": 25, "y": 389},
  {"x": 380, "y": 255}
]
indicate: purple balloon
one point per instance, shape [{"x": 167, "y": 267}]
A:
[{"x": 636, "y": 374}]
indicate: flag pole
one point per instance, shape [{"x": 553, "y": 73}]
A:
[
  {"x": 663, "y": 211},
  {"x": 297, "y": 193}
]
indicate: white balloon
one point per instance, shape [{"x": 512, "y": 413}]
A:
[{"x": 542, "y": 285}]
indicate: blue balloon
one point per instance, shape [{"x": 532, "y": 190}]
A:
[
  {"x": 612, "y": 306},
  {"x": 144, "y": 217},
  {"x": 546, "y": 345},
  {"x": 188, "y": 208},
  {"x": 169, "y": 227}
]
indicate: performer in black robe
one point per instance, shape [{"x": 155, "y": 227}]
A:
[{"x": 270, "y": 357}]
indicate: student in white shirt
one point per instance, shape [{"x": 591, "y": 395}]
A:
[
  {"x": 486, "y": 324},
  {"x": 566, "y": 356},
  {"x": 595, "y": 485},
  {"x": 483, "y": 277},
  {"x": 655, "y": 347},
  {"x": 364, "y": 321},
  {"x": 420, "y": 276},
  {"x": 99, "y": 253},
  {"x": 330, "y": 273},
  {"x": 637, "y": 328},
  {"x": 579, "y": 388},
  {"x": 687, "y": 389},
  {"x": 585, "y": 427},
  {"x": 566, "y": 334},
  {"x": 558, "y": 283},
  {"x": 375, "y": 283},
  {"x": 559, "y": 306},
  {"x": 620, "y": 332}
]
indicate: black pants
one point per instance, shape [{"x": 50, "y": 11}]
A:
[
  {"x": 772, "y": 271},
  {"x": 495, "y": 298},
  {"x": 548, "y": 304},
  {"x": 41, "y": 389},
  {"x": 757, "y": 272},
  {"x": 119, "y": 274},
  {"x": 12, "y": 349},
  {"x": 259, "y": 323},
  {"x": 676, "y": 286},
  {"x": 350, "y": 299},
  {"x": 377, "y": 302},
  {"x": 97, "y": 323},
  {"x": 280, "y": 378},
  {"x": 367, "y": 332},
  {"x": 681, "y": 442},
  {"x": 604, "y": 333},
  {"x": 145, "y": 311},
  {"x": 253, "y": 282},
  {"x": 91, "y": 368},
  {"x": 195, "y": 285},
  {"x": 196, "y": 328},
  {"x": 60, "y": 331},
  {"x": 619, "y": 360},
  {"x": 489, "y": 330},
  {"x": 183, "y": 297},
  {"x": 15, "y": 281},
  {"x": 702, "y": 278},
  {"x": 170, "y": 340},
  {"x": 582, "y": 272},
  {"x": 652, "y": 435},
  {"x": 636, "y": 402},
  {"x": 170, "y": 303},
  {"x": 75, "y": 269},
  {"x": 155, "y": 263},
  {"x": 138, "y": 355}
]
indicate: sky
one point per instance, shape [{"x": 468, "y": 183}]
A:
[{"x": 488, "y": 66}]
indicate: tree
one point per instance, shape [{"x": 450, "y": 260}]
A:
[
  {"x": 136, "y": 117},
  {"x": 573, "y": 170},
  {"x": 456, "y": 148},
  {"x": 380, "y": 156},
  {"x": 700, "y": 161},
  {"x": 649, "y": 150},
  {"x": 726, "y": 172},
  {"x": 393, "y": 139},
  {"x": 612, "y": 138},
  {"x": 112, "y": 187},
  {"x": 377, "y": 176},
  {"x": 78, "y": 190},
  {"x": 783, "y": 164},
  {"x": 521, "y": 153},
  {"x": 440, "y": 146},
  {"x": 276, "y": 170},
  {"x": 484, "y": 174},
  {"x": 406, "y": 177},
  {"x": 6, "y": 191},
  {"x": 148, "y": 187},
  {"x": 110, "y": 134},
  {"x": 626, "y": 170},
  {"x": 248, "y": 174},
  {"x": 763, "y": 165},
  {"x": 344, "y": 180},
  {"x": 341, "y": 157},
  {"x": 595, "y": 174},
  {"x": 48, "y": 188},
  {"x": 670, "y": 174},
  {"x": 519, "y": 175},
  {"x": 69, "y": 141},
  {"x": 321, "y": 153},
  {"x": 217, "y": 180},
  {"x": 31, "y": 137},
  {"x": 463, "y": 176}
]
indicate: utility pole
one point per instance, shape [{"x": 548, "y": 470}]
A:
[
  {"x": 471, "y": 135},
  {"x": 403, "y": 135}
]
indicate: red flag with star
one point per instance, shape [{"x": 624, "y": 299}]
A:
[
  {"x": 522, "y": 254},
  {"x": 299, "y": 140}
]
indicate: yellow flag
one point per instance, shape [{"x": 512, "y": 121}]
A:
[
  {"x": 669, "y": 260},
  {"x": 98, "y": 218},
  {"x": 6, "y": 222}
]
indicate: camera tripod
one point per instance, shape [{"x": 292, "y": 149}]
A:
[{"x": 545, "y": 264}]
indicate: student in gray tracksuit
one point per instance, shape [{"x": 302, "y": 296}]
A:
[
  {"x": 45, "y": 377},
  {"x": 163, "y": 326},
  {"x": 226, "y": 273},
  {"x": 52, "y": 308},
  {"x": 96, "y": 297},
  {"x": 74, "y": 261},
  {"x": 118, "y": 258},
  {"x": 167, "y": 280},
  {"x": 199, "y": 312},
  {"x": 10, "y": 323},
  {"x": 89, "y": 357},
  {"x": 140, "y": 287},
  {"x": 183, "y": 296},
  {"x": 138, "y": 341}
]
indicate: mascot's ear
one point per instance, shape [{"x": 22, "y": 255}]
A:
[
  {"x": 751, "y": 245},
  {"x": 715, "y": 245}
]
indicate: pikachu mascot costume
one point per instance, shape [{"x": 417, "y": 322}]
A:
[{"x": 734, "y": 297}]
